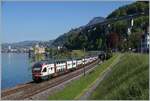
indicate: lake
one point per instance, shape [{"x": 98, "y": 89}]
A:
[{"x": 16, "y": 69}]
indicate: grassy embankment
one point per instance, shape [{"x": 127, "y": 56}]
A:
[
  {"x": 76, "y": 87},
  {"x": 129, "y": 79}
]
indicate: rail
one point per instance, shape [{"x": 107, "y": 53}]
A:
[{"x": 30, "y": 89}]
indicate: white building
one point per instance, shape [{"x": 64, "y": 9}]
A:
[
  {"x": 39, "y": 50},
  {"x": 59, "y": 47},
  {"x": 9, "y": 47},
  {"x": 145, "y": 43}
]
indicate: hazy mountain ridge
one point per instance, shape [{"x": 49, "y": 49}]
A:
[{"x": 26, "y": 44}]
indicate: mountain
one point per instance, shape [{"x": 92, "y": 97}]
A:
[
  {"x": 96, "y": 20},
  {"x": 61, "y": 40},
  {"x": 97, "y": 39}
]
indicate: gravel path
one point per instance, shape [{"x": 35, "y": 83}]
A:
[{"x": 86, "y": 94}]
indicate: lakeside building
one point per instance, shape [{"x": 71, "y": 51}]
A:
[
  {"x": 39, "y": 49},
  {"x": 145, "y": 41},
  {"x": 59, "y": 47},
  {"x": 9, "y": 47}
]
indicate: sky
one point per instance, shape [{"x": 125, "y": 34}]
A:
[{"x": 46, "y": 20}]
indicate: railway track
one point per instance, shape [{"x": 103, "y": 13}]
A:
[{"x": 27, "y": 90}]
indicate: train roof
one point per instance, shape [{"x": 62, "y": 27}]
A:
[
  {"x": 43, "y": 62},
  {"x": 51, "y": 61}
]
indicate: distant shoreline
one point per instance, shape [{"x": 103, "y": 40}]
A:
[{"x": 14, "y": 52}]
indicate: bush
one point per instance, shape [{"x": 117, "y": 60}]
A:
[{"x": 108, "y": 54}]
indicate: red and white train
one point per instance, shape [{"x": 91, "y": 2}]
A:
[{"x": 44, "y": 70}]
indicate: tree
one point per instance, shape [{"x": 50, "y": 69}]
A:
[
  {"x": 99, "y": 43},
  {"x": 113, "y": 40},
  {"x": 135, "y": 39}
]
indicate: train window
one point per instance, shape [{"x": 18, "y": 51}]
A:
[
  {"x": 37, "y": 67},
  {"x": 44, "y": 70},
  {"x": 51, "y": 68}
]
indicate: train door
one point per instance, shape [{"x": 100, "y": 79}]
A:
[
  {"x": 51, "y": 69},
  {"x": 45, "y": 71}
]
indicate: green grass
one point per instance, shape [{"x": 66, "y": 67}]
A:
[
  {"x": 76, "y": 87},
  {"x": 129, "y": 79}
]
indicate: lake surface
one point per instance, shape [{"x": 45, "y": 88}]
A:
[{"x": 16, "y": 69}]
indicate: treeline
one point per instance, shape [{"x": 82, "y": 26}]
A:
[
  {"x": 139, "y": 6},
  {"x": 114, "y": 36}
]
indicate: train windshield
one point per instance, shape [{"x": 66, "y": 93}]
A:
[{"x": 37, "y": 67}]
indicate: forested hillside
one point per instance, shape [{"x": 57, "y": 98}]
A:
[
  {"x": 114, "y": 37},
  {"x": 140, "y": 6}
]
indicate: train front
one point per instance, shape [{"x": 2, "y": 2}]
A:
[{"x": 36, "y": 71}]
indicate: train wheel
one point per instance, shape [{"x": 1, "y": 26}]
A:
[
  {"x": 49, "y": 77},
  {"x": 37, "y": 79}
]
